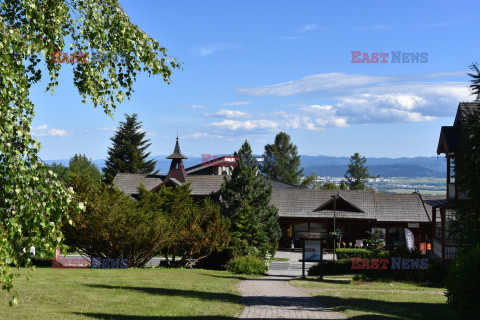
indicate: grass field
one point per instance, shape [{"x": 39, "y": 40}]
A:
[
  {"x": 144, "y": 294},
  {"x": 379, "y": 300}
]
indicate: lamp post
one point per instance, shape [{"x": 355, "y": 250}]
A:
[{"x": 334, "y": 197}]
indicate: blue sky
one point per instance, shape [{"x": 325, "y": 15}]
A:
[{"x": 254, "y": 68}]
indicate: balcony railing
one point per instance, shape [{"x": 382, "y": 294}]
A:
[{"x": 450, "y": 252}]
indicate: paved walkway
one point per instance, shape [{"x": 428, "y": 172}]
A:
[{"x": 272, "y": 297}]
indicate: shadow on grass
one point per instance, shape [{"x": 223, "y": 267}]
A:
[
  {"x": 231, "y": 276},
  {"x": 390, "y": 310},
  {"x": 111, "y": 316},
  {"x": 334, "y": 281},
  {"x": 228, "y": 297}
]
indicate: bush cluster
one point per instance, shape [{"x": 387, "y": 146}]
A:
[
  {"x": 251, "y": 265},
  {"x": 330, "y": 267},
  {"x": 348, "y": 253},
  {"x": 463, "y": 283}
]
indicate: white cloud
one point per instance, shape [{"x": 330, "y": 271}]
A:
[
  {"x": 314, "y": 117},
  {"x": 106, "y": 129},
  {"x": 238, "y": 103},
  {"x": 318, "y": 82},
  {"x": 44, "y": 131},
  {"x": 201, "y": 135},
  {"x": 210, "y": 49},
  {"x": 231, "y": 114},
  {"x": 366, "y": 98},
  {"x": 308, "y": 27},
  {"x": 249, "y": 125}
]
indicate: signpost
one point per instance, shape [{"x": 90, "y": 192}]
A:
[{"x": 312, "y": 251}]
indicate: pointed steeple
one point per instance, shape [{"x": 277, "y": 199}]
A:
[
  {"x": 177, "y": 170},
  {"x": 177, "y": 154}
]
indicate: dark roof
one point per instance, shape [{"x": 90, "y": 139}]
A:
[
  {"x": 436, "y": 201},
  {"x": 401, "y": 207},
  {"x": 465, "y": 108},
  {"x": 303, "y": 202},
  {"x": 449, "y": 140},
  {"x": 294, "y": 201},
  {"x": 177, "y": 154},
  {"x": 203, "y": 185},
  {"x": 365, "y": 205},
  {"x": 129, "y": 182},
  {"x": 200, "y": 184}
]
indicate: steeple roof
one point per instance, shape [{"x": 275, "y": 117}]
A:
[{"x": 177, "y": 154}]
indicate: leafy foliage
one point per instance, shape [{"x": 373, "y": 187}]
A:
[
  {"x": 357, "y": 173},
  {"x": 32, "y": 200},
  {"x": 60, "y": 170},
  {"x": 282, "y": 162},
  {"x": 347, "y": 253},
  {"x": 193, "y": 230},
  {"x": 245, "y": 201},
  {"x": 80, "y": 164},
  {"x": 463, "y": 283},
  {"x": 329, "y": 186},
  {"x": 114, "y": 225},
  {"x": 128, "y": 153},
  {"x": 250, "y": 264}
]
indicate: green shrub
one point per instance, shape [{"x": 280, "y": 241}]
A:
[
  {"x": 350, "y": 253},
  {"x": 247, "y": 265},
  {"x": 437, "y": 273},
  {"x": 463, "y": 283},
  {"x": 330, "y": 267}
]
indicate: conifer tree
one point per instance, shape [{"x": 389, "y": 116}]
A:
[
  {"x": 357, "y": 173},
  {"x": 128, "y": 153},
  {"x": 475, "y": 80},
  {"x": 245, "y": 201},
  {"x": 282, "y": 162}
]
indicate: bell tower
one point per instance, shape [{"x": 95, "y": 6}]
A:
[{"x": 177, "y": 171}]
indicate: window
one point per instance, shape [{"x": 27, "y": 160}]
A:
[
  {"x": 396, "y": 237},
  {"x": 452, "y": 170},
  {"x": 450, "y": 217},
  {"x": 317, "y": 227}
]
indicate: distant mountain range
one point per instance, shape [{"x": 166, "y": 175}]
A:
[{"x": 431, "y": 167}]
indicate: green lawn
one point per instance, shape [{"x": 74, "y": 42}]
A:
[
  {"x": 379, "y": 300},
  {"x": 124, "y": 294},
  {"x": 280, "y": 259}
]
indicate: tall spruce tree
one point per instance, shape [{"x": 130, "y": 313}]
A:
[
  {"x": 282, "y": 162},
  {"x": 357, "y": 173},
  {"x": 475, "y": 80},
  {"x": 245, "y": 201},
  {"x": 128, "y": 153}
]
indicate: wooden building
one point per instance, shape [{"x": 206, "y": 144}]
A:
[
  {"x": 302, "y": 210},
  {"x": 443, "y": 210}
]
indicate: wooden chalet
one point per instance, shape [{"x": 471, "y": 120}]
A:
[
  {"x": 443, "y": 210},
  {"x": 304, "y": 212}
]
